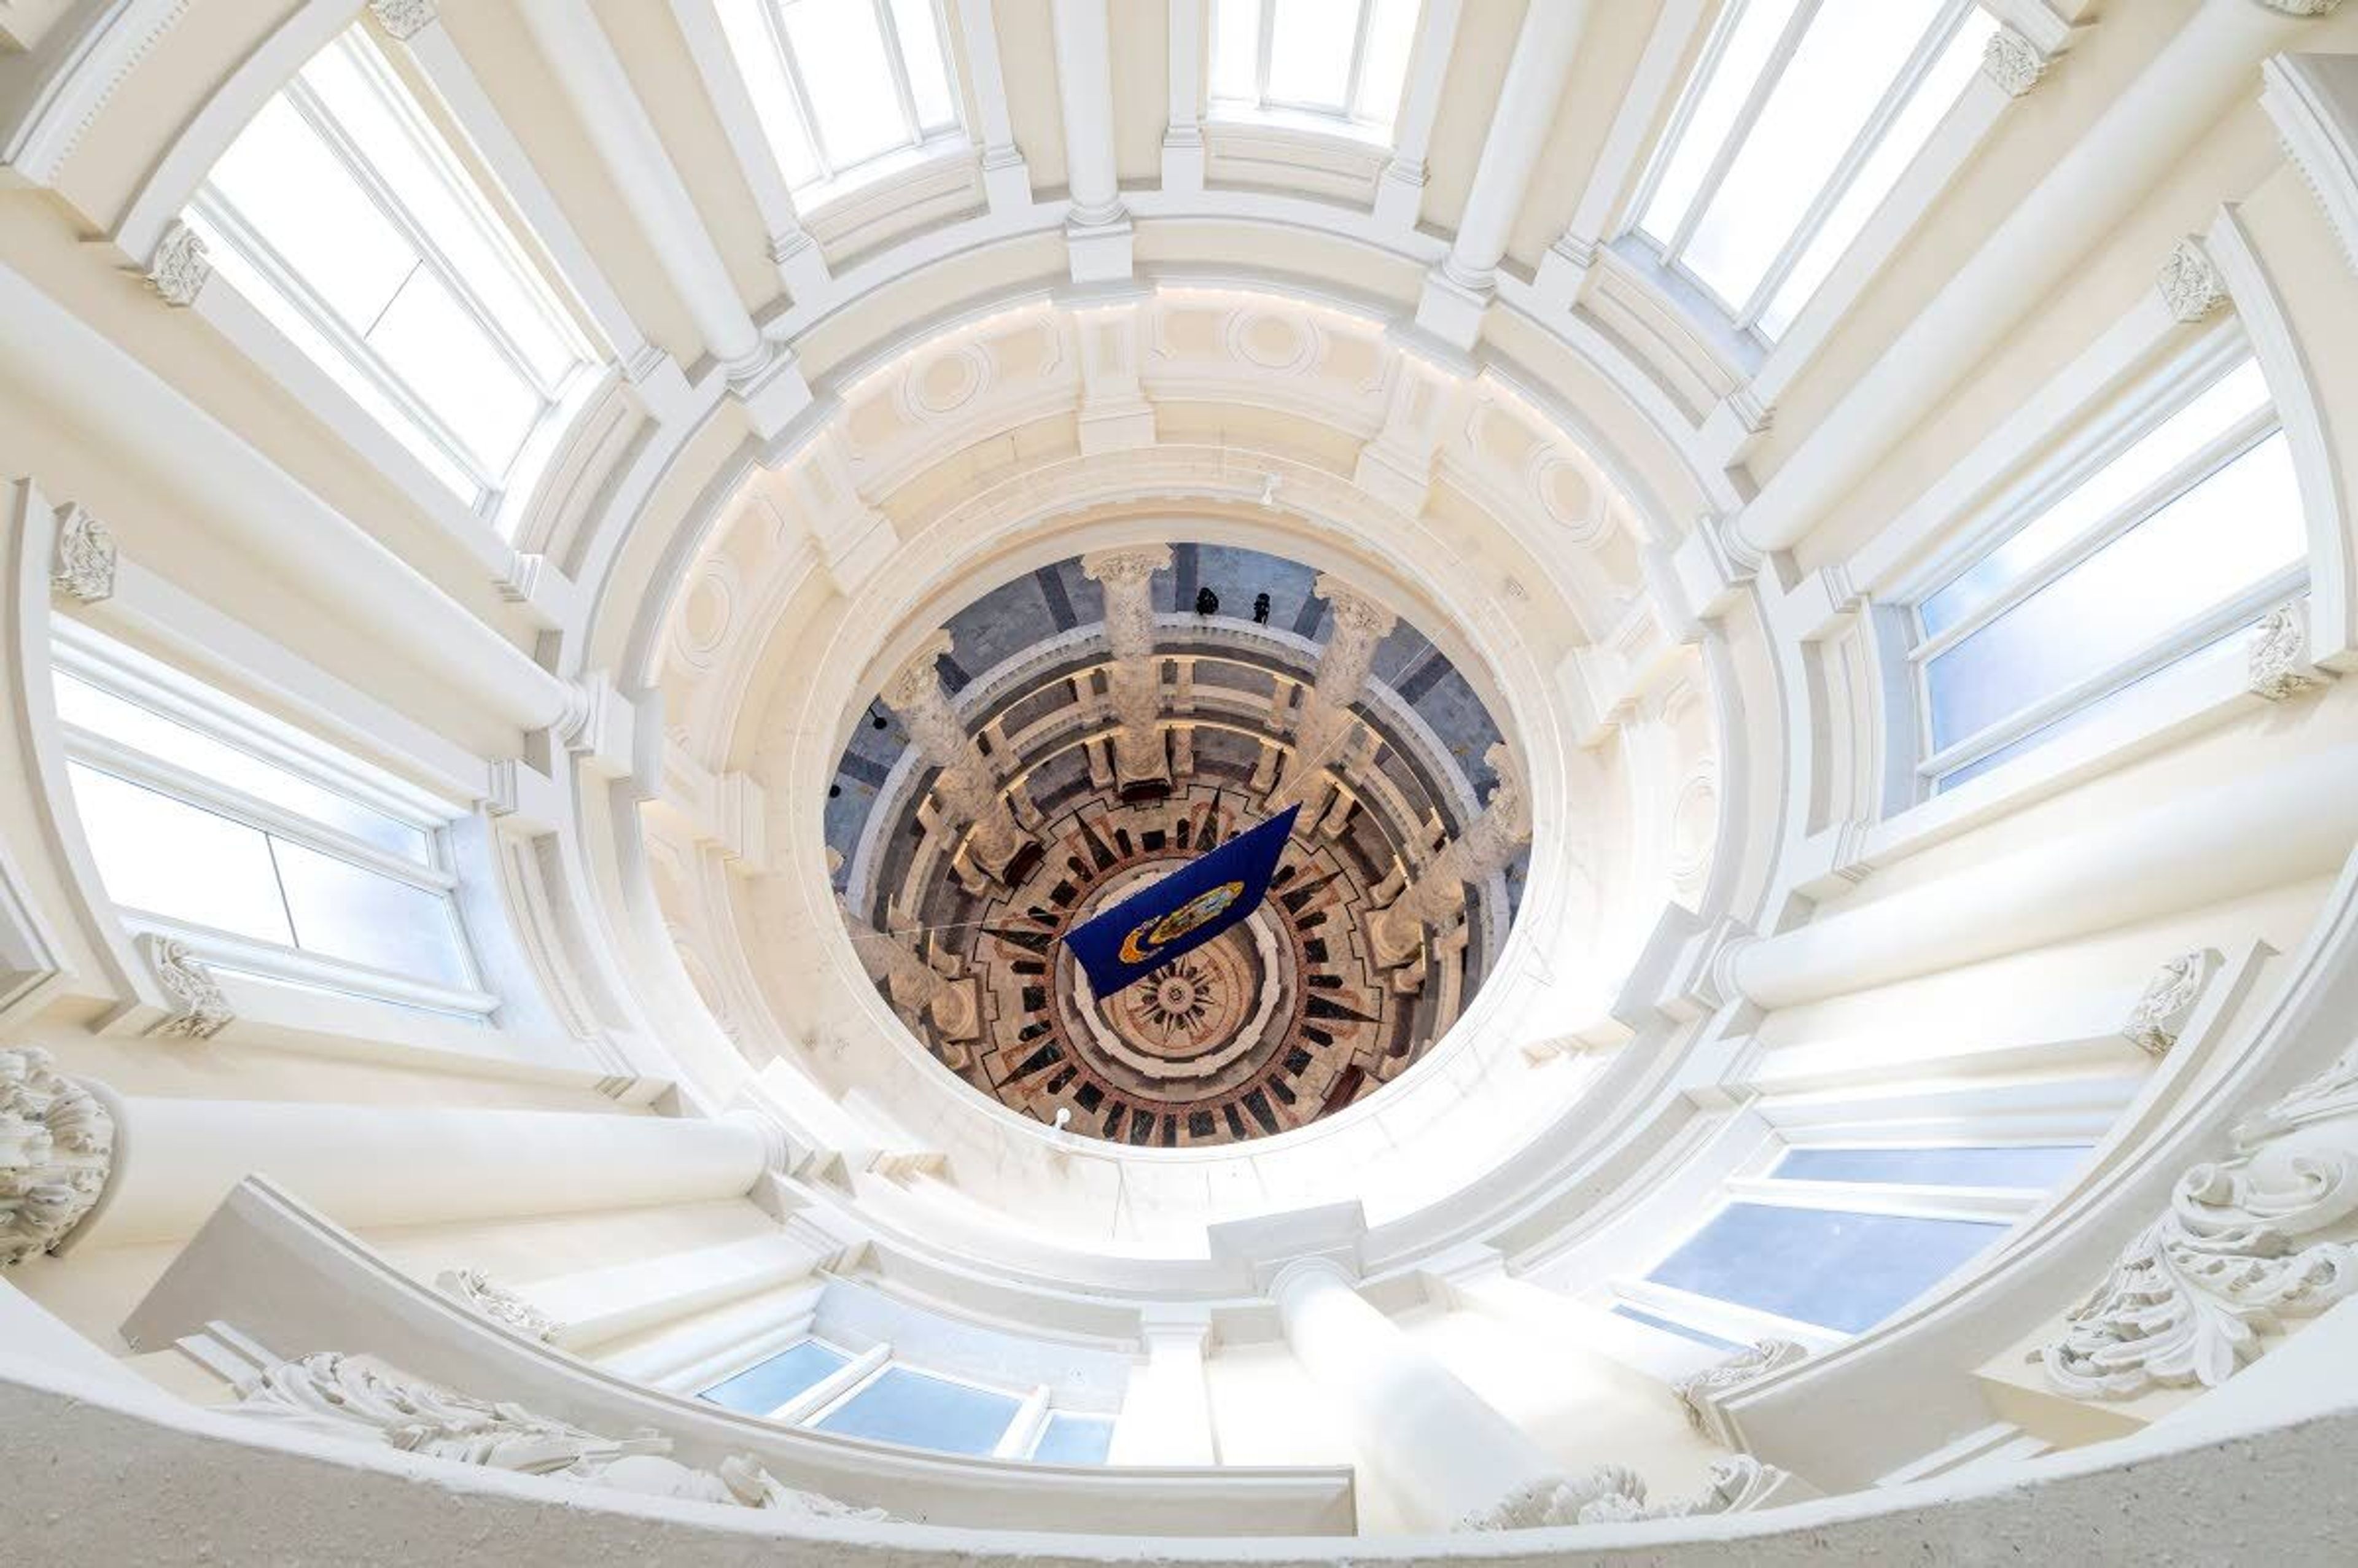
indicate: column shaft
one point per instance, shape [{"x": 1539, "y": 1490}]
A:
[
  {"x": 368, "y": 1165},
  {"x": 1483, "y": 850},
  {"x": 1085, "y": 88},
  {"x": 1519, "y": 127},
  {"x": 1439, "y": 1442},
  {"x": 1166, "y": 1417}
]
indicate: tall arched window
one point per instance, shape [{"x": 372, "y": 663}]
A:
[
  {"x": 2143, "y": 546},
  {"x": 1344, "y": 59},
  {"x": 346, "y": 219},
  {"x": 843, "y": 86},
  {"x": 1799, "y": 122}
]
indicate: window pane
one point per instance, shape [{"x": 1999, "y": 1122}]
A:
[
  {"x": 2037, "y": 1168},
  {"x": 102, "y": 713},
  {"x": 765, "y": 81},
  {"x": 283, "y": 182},
  {"x": 2234, "y": 398},
  {"x": 1384, "y": 69},
  {"x": 1845, "y": 1271},
  {"x": 364, "y": 917},
  {"x": 2230, "y": 646},
  {"x": 1848, "y": 60},
  {"x": 761, "y": 1389},
  {"x": 929, "y": 73},
  {"x": 1310, "y": 51},
  {"x": 1894, "y": 151},
  {"x": 1669, "y": 1325},
  {"x": 1722, "y": 99},
  {"x": 1236, "y": 49},
  {"x": 839, "y": 50},
  {"x": 446, "y": 360},
  {"x": 2217, "y": 541},
  {"x": 1075, "y": 1440},
  {"x": 172, "y": 858},
  {"x": 902, "y": 1406}
]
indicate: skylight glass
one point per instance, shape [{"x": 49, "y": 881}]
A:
[
  {"x": 1802, "y": 120},
  {"x": 1346, "y": 58},
  {"x": 842, "y": 86}
]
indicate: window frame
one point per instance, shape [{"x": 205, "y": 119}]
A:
[
  {"x": 88, "y": 656},
  {"x": 1668, "y": 254},
  {"x": 834, "y": 178},
  {"x": 2100, "y": 441},
  {"x": 1263, "y": 108},
  {"x": 219, "y": 219}
]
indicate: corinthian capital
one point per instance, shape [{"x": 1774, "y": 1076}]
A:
[
  {"x": 917, "y": 681},
  {"x": 1354, "y": 612},
  {"x": 1132, "y": 566}
]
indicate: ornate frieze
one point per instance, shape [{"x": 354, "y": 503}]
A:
[
  {"x": 56, "y": 1150},
  {"x": 2168, "y": 1000},
  {"x": 1700, "y": 1392},
  {"x": 2013, "y": 63},
  {"x": 83, "y": 567},
  {"x": 357, "y": 1398},
  {"x": 2249, "y": 1243},
  {"x": 473, "y": 1289},
  {"x": 2190, "y": 285},
  {"x": 181, "y": 268},
  {"x": 2278, "y": 662},
  {"x": 200, "y": 1011}
]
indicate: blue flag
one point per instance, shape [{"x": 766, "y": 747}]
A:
[{"x": 1181, "y": 913}]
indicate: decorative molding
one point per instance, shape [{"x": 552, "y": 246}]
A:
[
  {"x": 2161, "y": 1013},
  {"x": 2248, "y": 1243},
  {"x": 2302, "y": 7},
  {"x": 2189, "y": 283},
  {"x": 1614, "y": 1494},
  {"x": 2313, "y": 100},
  {"x": 56, "y": 1150},
  {"x": 2013, "y": 63},
  {"x": 473, "y": 1289},
  {"x": 203, "y": 1012},
  {"x": 181, "y": 267},
  {"x": 1702, "y": 1391},
  {"x": 405, "y": 19},
  {"x": 83, "y": 567},
  {"x": 355, "y": 1398},
  {"x": 2279, "y": 657}
]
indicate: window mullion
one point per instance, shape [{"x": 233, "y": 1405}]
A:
[
  {"x": 1350, "y": 106},
  {"x": 1854, "y": 157},
  {"x": 2196, "y": 469},
  {"x": 801, "y": 94},
  {"x": 1267, "y": 17},
  {"x": 364, "y": 172},
  {"x": 357, "y": 352},
  {"x": 1789, "y": 43},
  {"x": 898, "y": 65},
  {"x": 2156, "y": 654}
]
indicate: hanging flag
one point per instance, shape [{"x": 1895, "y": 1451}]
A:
[{"x": 1181, "y": 913}]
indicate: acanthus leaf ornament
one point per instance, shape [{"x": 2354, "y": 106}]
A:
[
  {"x": 1615, "y": 1494},
  {"x": 200, "y": 1009},
  {"x": 1700, "y": 1392},
  {"x": 473, "y": 1289},
  {"x": 2013, "y": 63},
  {"x": 404, "y": 19},
  {"x": 2278, "y": 661},
  {"x": 56, "y": 1150},
  {"x": 2248, "y": 1244},
  {"x": 83, "y": 565},
  {"x": 2189, "y": 283},
  {"x": 181, "y": 267},
  {"x": 2161, "y": 1013},
  {"x": 358, "y": 1398}
]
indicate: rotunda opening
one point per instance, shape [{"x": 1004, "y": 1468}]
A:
[{"x": 1073, "y": 736}]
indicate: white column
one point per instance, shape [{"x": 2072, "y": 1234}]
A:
[
  {"x": 1098, "y": 230},
  {"x": 369, "y": 1165},
  {"x": 1458, "y": 291},
  {"x": 1360, "y": 624},
  {"x": 2093, "y": 183},
  {"x": 1183, "y": 134},
  {"x": 955, "y": 1005},
  {"x": 802, "y": 267},
  {"x": 616, "y": 122},
  {"x": 2284, "y": 823},
  {"x": 1399, "y": 194},
  {"x": 1128, "y": 579},
  {"x": 1442, "y": 1445},
  {"x": 1481, "y": 851},
  {"x": 1166, "y": 1415},
  {"x": 1006, "y": 177}
]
